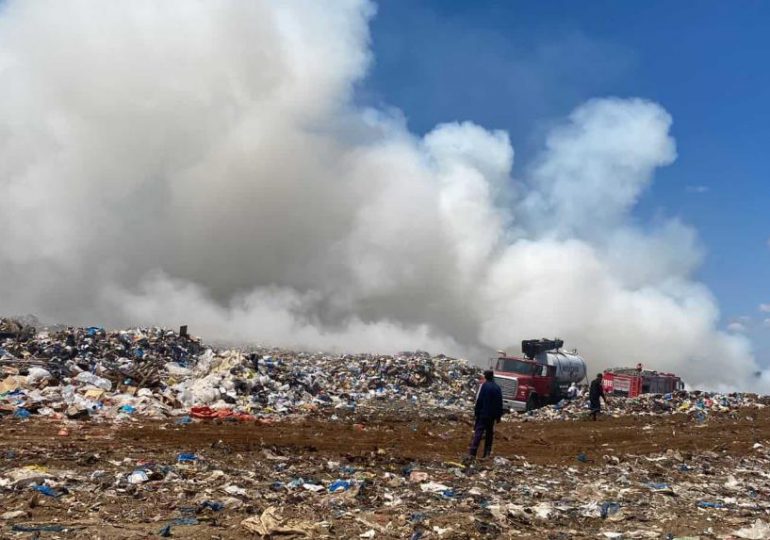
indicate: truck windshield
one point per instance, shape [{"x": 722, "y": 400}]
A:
[{"x": 512, "y": 365}]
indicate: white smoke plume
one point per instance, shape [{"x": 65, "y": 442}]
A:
[{"x": 202, "y": 162}]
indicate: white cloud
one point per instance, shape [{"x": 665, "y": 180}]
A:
[
  {"x": 199, "y": 162},
  {"x": 699, "y": 190},
  {"x": 764, "y": 308},
  {"x": 737, "y": 327}
]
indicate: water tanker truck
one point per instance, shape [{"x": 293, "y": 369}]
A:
[{"x": 540, "y": 376}]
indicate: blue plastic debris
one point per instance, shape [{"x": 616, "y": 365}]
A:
[
  {"x": 128, "y": 409},
  {"x": 708, "y": 504},
  {"x": 212, "y": 505},
  {"x": 187, "y": 457},
  {"x": 339, "y": 486},
  {"x": 21, "y": 412},
  {"x": 582, "y": 458},
  {"x": 46, "y": 490},
  {"x": 184, "y": 421}
]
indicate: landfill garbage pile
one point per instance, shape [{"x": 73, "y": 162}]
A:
[
  {"x": 287, "y": 382},
  {"x": 696, "y": 404},
  {"x": 90, "y": 372},
  {"x": 189, "y": 441},
  {"x": 16, "y": 328},
  {"x": 153, "y": 372},
  {"x": 608, "y": 479}
]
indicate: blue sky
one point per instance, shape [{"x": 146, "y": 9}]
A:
[{"x": 520, "y": 66}]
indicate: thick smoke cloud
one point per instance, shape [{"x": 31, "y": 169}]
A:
[{"x": 202, "y": 162}]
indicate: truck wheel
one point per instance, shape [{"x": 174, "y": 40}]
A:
[{"x": 532, "y": 402}]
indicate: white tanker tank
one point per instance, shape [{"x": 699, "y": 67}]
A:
[{"x": 570, "y": 367}]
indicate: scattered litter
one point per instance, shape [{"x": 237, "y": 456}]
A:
[
  {"x": 339, "y": 486},
  {"x": 759, "y": 530},
  {"x": 708, "y": 504},
  {"x": 138, "y": 477},
  {"x": 107, "y": 391},
  {"x": 7, "y": 516},
  {"x": 187, "y": 458},
  {"x": 47, "y": 491},
  {"x": 270, "y": 523}
]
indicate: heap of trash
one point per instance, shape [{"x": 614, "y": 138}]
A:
[
  {"x": 695, "y": 403},
  {"x": 154, "y": 372},
  {"x": 176, "y": 482},
  {"x": 192, "y": 441},
  {"x": 92, "y": 372}
]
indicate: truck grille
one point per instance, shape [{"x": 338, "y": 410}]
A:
[{"x": 508, "y": 386}]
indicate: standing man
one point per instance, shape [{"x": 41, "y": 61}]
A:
[
  {"x": 488, "y": 410},
  {"x": 595, "y": 393}
]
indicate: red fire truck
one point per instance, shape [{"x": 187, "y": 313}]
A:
[{"x": 630, "y": 382}]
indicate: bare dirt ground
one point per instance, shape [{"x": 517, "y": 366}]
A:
[
  {"x": 546, "y": 443},
  {"x": 90, "y": 458}
]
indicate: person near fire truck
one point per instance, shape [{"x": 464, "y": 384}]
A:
[
  {"x": 488, "y": 411},
  {"x": 595, "y": 395}
]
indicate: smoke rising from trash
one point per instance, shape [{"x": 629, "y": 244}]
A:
[{"x": 205, "y": 163}]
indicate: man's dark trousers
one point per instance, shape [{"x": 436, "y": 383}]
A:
[{"x": 483, "y": 426}]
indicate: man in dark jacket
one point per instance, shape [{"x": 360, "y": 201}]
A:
[
  {"x": 595, "y": 393},
  {"x": 488, "y": 410}
]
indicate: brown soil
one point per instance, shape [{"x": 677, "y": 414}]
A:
[{"x": 546, "y": 443}]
